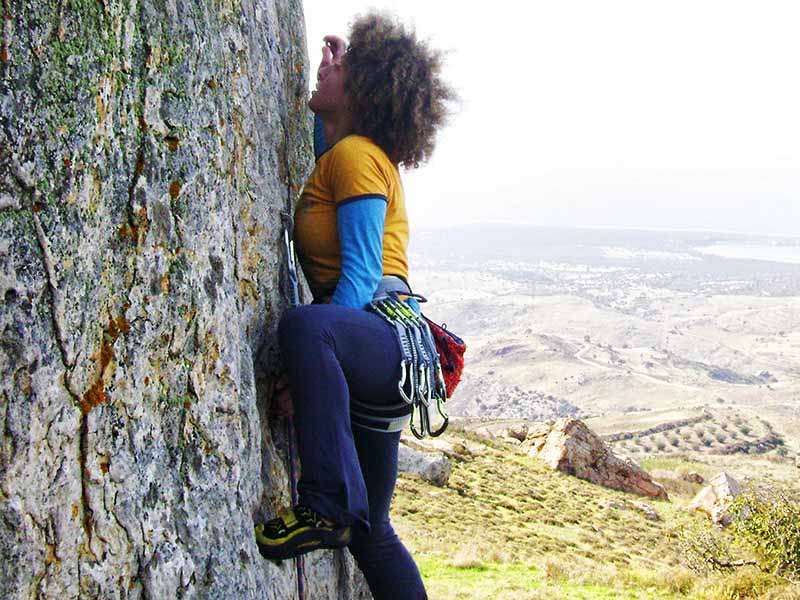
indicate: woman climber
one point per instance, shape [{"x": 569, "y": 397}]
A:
[{"x": 379, "y": 103}]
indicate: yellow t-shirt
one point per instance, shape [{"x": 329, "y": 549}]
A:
[{"x": 352, "y": 169}]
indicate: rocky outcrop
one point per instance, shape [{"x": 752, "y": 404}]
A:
[
  {"x": 146, "y": 151},
  {"x": 714, "y": 499},
  {"x": 571, "y": 447}
]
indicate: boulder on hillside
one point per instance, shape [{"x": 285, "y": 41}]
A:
[
  {"x": 433, "y": 467},
  {"x": 452, "y": 448},
  {"x": 569, "y": 446},
  {"x": 715, "y": 498}
]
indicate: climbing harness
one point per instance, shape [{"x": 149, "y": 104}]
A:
[
  {"x": 421, "y": 382},
  {"x": 294, "y": 295}
]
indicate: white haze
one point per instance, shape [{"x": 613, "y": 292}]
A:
[{"x": 620, "y": 113}]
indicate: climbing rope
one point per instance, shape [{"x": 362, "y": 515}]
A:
[{"x": 294, "y": 295}]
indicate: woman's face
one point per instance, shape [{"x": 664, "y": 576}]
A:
[{"x": 329, "y": 97}]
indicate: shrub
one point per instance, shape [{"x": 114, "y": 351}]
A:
[
  {"x": 706, "y": 549},
  {"x": 745, "y": 429},
  {"x": 768, "y": 521}
]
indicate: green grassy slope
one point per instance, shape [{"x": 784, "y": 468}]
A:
[{"x": 506, "y": 526}]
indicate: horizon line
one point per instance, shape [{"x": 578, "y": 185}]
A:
[{"x": 612, "y": 228}]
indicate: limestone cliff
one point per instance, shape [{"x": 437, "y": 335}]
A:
[{"x": 147, "y": 149}]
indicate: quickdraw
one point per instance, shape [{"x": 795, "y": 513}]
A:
[{"x": 421, "y": 381}]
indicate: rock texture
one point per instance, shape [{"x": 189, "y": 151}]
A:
[
  {"x": 147, "y": 148},
  {"x": 714, "y": 499},
  {"x": 433, "y": 467},
  {"x": 571, "y": 447}
]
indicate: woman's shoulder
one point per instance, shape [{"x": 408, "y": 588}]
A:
[{"x": 358, "y": 146}]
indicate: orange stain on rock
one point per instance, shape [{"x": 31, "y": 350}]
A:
[
  {"x": 172, "y": 142},
  {"x": 96, "y": 394}
]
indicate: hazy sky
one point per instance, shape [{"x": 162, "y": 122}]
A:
[{"x": 679, "y": 114}]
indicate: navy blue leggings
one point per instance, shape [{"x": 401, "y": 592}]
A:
[{"x": 333, "y": 353}]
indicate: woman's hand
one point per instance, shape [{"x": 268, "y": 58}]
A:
[
  {"x": 282, "y": 397},
  {"x": 337, "y": 47},
  {"x": 332, "y": 52}
]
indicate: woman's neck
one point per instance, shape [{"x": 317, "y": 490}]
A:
[{"x": 337, "y": 126}]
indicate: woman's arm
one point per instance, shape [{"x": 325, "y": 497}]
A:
[
  {"x": 332, "y": 53},
  {"x": 360, "y": 188},
  {"x": 359, "y": 222},
  {"x": 320, "y": 141}
]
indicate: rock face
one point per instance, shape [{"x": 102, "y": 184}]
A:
[
  {"x": 714, "y": 499},
  {"x": 147, "y": 148},
  {"x": 571, "y": 447},
  {"x": 433, "y": 467}
]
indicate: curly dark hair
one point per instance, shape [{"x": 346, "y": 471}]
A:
[{"x": 396, "y": 94}]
